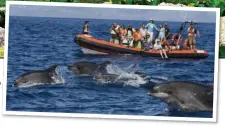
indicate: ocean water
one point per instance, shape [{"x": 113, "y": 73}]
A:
[{"x": 35, "y": 43}]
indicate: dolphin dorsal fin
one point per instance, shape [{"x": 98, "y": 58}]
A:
[
  {"x": 102, "y": 67},
  {"x": 105, "y": 63},
  {"x": 53, "y": 67}
]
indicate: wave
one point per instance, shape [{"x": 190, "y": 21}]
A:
[{"x": 159, "y": 79}]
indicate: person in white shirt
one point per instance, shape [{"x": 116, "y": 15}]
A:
[
  {"x": 130, "y": 35},
  {"x": 114, "y": 31},
  {"x": 159, "y": 48},
  {"x": 143, "y": 31}
]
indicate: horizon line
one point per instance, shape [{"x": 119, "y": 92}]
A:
[{"x": 100, "y": 18}]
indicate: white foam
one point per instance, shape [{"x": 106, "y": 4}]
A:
[
  {"x": 124, "y": 77},
  {"x": 60, "y": 72},
  {"x": 161, "y": 77},
  {"x": 89, "y": 51},
  {"x": 30, "y": 84},
  {"x": 156, "y": 81},
  {"x": 131, "y": 68}
]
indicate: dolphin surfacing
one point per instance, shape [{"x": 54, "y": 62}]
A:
[
  {"x": 186, "y": 95},
  {"x": 39, "y": 77},
  {"x": 83, "y": 68},
  {"x": 98, "y": 71}
]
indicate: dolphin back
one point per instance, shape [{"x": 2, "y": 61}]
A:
[
  {"x": 37, "y": 77},
  {"x": 102, "y": 68},
  {"x": 52, "y": 68},
  {"x": 83, "y": 68}
]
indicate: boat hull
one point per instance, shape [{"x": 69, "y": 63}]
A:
[{"x": 105, "y": 47}]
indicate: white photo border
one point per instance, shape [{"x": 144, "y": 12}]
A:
[{"x": 105, "y": 116}]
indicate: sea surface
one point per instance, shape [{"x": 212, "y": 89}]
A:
[{"x": 36, "y": 43}]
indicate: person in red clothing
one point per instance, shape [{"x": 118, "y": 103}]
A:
[
  {"x": 191, "y": 37},
  {"x": 176, "y": 40}
]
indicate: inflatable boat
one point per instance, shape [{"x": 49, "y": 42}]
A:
[{"x": 91, "y": 45}]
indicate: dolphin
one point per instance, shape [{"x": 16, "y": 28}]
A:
[
  {"x": 39, "y": 77},
  {"x": 83, "y": 68},
  {"x": 101, "y": 69},
  {"x": 98, "y": 71},
  {"x": 188, "y": 96},
  {"x": 101, "y": 74}
]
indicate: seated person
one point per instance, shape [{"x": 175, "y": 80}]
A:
[
  {"x": 186, "y": 44},
  {"x": 176, "y": 41},
  {"x": 159, "y": 48},
  {"x": 147, "y": 43}
]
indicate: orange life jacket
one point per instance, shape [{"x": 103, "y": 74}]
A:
[{"x": 137, "y": 36}]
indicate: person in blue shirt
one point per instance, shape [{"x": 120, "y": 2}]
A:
[{"x": 150, "y": 29}]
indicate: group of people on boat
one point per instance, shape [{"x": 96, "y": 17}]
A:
[{"x": 144, "y": 38}]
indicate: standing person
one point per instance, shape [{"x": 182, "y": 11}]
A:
[
  {"x": 161, "y": 36},
  {"x": 167, "y": 35},
  {"x": 150, "y": 29},
  {"x": 167, "y": 32},
  {"x": 122, "y": 33},
  {"x": 191, "y": 36},
  {"x": 85, "y": 28},
  {"x": 114, "y": 31},
  {"x": 130, "y": 35},
  {"x": 143, "y": 31},
  {"x": 123, "y": 37},
  {"x": 137, "y": 39}
]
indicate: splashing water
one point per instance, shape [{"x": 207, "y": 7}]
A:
[
  {"x": 121, "y": 76},
  {"x": 159, "y": 79},
  {"x": 131, "y": 68},
  {"x": 59, "y": 75}
]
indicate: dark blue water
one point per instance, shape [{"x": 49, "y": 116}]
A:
[{"x": 37, "y": 43}]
